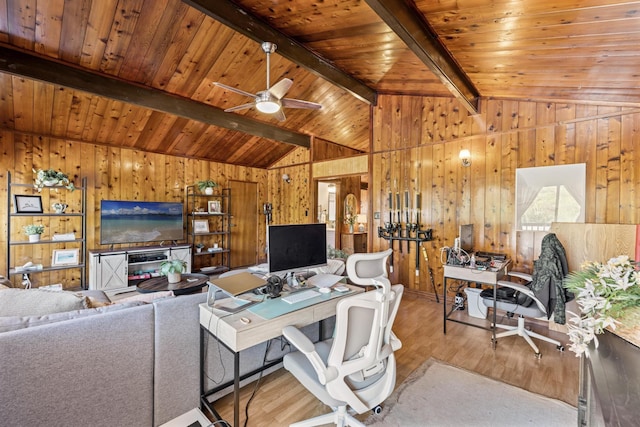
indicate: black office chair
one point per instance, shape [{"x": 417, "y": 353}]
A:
[{"x": 542, "y": 296}]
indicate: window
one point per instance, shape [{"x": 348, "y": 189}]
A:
[{"x": 549, "y": 194}]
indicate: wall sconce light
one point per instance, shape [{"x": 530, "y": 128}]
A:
[
  {"x": 465, "y": 156},
  {"x": 286, "y": 178}
]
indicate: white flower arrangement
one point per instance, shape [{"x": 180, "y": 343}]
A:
[
  {"x": 350, "y": 218},
  {"x": 602, "y": 292}
]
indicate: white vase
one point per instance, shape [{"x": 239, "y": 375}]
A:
[
  {"x": 50, "y": 182},
  {"x": 208, "y": 191},
  {"x": 174, "y": 277},
  {"x": 351, "y": 228},
  {"x": 34, "y": 237}
]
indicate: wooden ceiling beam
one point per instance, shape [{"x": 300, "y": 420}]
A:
[
  {"x": 238, "y": 19},
  {"x": 23, "y": 64},
  {"x": 409, "y": 25}
]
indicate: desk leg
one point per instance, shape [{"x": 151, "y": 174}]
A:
[
  {"x": 494, "y": 342},
  {"x": 236, "y": 389},
  {"x": 444, "y": 306}
]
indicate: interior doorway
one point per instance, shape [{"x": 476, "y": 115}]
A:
[{"x": 330, "y": 204}]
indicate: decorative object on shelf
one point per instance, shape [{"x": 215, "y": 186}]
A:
[
  {"x": 173, "y": 269},
  {"x": 207, "y": 186},
  {"x": 200, "y": 226},
  {"x": 350, "y": 218},
  {"x": 33, "y": 231},
  {"x": 59, "y": 208},
  {"x": 199, "y": 247},
  {"x": 64, "y": 257},
  {"x": 51, "y": 178},
  {"x": 362, "y": 220},
  {"x": 27, "y": 204},
  {"x": 603, "y": 292},
  {"x": 214, "y": 206}
]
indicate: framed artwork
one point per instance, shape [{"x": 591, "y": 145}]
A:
[
  {"x": 214, "y": 206},
  {"x": 27, "y": 204},
  {"x": 200, "y": 226},
  {"x": 64, "y": 257}
]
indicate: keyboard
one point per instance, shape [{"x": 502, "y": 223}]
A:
[{"x": 300, "y": 296}]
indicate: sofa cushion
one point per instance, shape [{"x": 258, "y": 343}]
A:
[
  {"x": 38, "y": 302},
  {"x": 12, "y": 323}
]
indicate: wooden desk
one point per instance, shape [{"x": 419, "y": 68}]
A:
[
  {"x": 237, "y": 336},
  {"x": 467, "y": 274}
]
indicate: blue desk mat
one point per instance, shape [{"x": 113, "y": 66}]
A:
[{"x": 272, "y": 308}]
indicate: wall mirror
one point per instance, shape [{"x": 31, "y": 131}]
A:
[{"x": 350, "y": 205}]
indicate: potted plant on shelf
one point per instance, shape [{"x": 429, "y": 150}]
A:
[
  {"x": 207, "y": 186},
  {"x": 50, "y": 178},
  {"x": 33, "y": 231},
  {"x": 199, "y": 247},
  {"x": 173, "y": 269}
]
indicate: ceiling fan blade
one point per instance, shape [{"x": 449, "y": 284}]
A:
[
  {"x": 281, "y": 88},
  {"x": 280, "y": 115},
  {"x": 240, "y": 107},
  {"x": 298, "y": 103},
  {"x": 233, "y": 89}
]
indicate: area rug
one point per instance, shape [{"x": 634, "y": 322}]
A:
[{"x": 437, "y": 394}]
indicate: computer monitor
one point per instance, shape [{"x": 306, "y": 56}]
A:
[
  {"x": 466, "y": 238},
  {"x": 294, "y": 247}
]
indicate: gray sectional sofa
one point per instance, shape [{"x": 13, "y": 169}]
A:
[{"x": 131, "y": 364}]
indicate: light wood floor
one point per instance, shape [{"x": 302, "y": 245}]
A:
[{"x": 281, "y": 400}]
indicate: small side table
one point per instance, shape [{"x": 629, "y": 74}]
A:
[{"x": 189, "y": 284}]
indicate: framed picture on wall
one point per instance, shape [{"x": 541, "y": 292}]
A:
[
  {"x": 27, "y": 204},
  {"x": 64, "y": 257},
  {"x": 200, "y": 226}
]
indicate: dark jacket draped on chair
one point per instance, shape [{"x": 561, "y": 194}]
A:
[{"x": 549, "y": 272}]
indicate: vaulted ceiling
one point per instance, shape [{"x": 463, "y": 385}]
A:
[{"x": 140, "y": 73}]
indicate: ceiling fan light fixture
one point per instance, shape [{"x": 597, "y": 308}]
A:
[{"x": 268, "y": 107}]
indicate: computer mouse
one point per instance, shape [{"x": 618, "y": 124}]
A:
[{"x": 324, "y": 290}]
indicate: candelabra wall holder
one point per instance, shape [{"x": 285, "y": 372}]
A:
[{"x": 411, "y": 232}]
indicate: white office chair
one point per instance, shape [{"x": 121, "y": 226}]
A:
[
  {"x": 355, "y": 370},
  {"x": 534, "y": 309},
  {"x": 362, "y": 267}
]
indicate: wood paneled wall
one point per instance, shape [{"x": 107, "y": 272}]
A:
[
  {"x": 415, "y": 145},
  {"x": 112, "y": 173},
  {"x": 416, "y": 142}
]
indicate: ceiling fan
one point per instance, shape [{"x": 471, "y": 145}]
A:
[{"x": 271, "y": 100}]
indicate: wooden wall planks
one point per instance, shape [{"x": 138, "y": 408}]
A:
[
  {"x": 415, "y": 143},
  {"x": 505, "y": 136}
]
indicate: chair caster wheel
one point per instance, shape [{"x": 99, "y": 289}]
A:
[
  {"x": 538, "y": 356},
  {"x": 560, "y": 347},
  {"x": 494, "y": 343},
  {"x": 377, "y": 410}
]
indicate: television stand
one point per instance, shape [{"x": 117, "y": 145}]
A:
[{"x": 119, "y": 270}]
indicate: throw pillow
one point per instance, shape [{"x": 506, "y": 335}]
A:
[{"x": 38, "y": 302}]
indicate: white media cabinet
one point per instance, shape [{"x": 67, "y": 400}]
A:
[{"x": 121, "y": 269}]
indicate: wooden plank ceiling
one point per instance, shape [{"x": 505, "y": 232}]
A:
[{"x": 139, "y": 73}]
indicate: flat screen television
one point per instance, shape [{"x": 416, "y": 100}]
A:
[
  {"x": 293, "y": 247},
  {"x": 124, "y": 221}
]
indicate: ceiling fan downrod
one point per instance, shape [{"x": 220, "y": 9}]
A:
[{"x": 269, "y": 48}]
